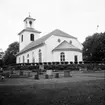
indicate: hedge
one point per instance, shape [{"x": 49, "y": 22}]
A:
[{"x": 65, "y": 66}]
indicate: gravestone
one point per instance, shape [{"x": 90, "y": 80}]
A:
[
  {"x": 36, "y": 76},
  {"x": 56, "y": 75},
  {"x": 67, "y": 73},
  {"x": 49, "y": 73},
  {"x": 21, "y": 73},
  {"x": 46, "y": 76}
]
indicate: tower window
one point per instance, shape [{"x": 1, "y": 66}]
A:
[
  {"x": 30, "y": 22},
  {"x": 32, "y": 37},
  {"x": 22, "y": 38}
]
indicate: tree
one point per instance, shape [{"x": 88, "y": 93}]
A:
[
  {"x": 94, "y": 48},
  {"x": 10, "y": 54}
]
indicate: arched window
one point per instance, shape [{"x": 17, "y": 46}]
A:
[
  {"x": 32, "y": 37},
  {"x": 21, "y": 38},
  {"x": 40, "y": 56},
  {"x": 30, "y": 22},
  {"x": 19, "y": 59},
  {"x": 33, "y": 58},
  {"x": 28, "y": 58},
  {"x": 23, "y": 59},
  {"x": 62, "y": 56}
]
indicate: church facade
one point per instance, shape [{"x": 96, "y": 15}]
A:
[{"x": 56, "y": 46}]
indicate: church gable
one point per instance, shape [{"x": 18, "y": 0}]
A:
[{"x": 66, "y": 46}]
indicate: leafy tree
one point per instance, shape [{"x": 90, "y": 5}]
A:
[
  {"x": 10, "y": 53},
  {"x": 94, "y": 48}
]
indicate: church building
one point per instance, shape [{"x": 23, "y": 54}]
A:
[{"x": 56, "y": 46}]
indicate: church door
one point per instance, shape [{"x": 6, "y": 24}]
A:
[{"x": 75, "y": 58}]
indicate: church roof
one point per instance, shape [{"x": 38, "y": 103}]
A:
[
  {"x": 29, "y": 18},
  {"x": 29, "y": 30},
  {"x": 66, "y": 46},
  {"x": 58, "y": 32},
  {"x": 41, "y": 40}
]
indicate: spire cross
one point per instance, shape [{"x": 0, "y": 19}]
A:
[{"x": 29, "y": 14}]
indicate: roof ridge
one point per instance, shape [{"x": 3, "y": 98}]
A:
[{"x": 59, "y": 32}]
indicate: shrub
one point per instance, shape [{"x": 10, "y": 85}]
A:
[{"x": 71, "y": 62}]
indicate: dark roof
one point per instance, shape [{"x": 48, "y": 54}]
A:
[
  {"x": 30, "y": 30},
  {"x": 58, "y": 32},
  {"x": 41, "y": 40},
  {"x": 66, "y": 46},
  {"x": 29, "y": 18}
]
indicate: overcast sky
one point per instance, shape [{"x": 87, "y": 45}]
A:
[{"x": 75, "y": 17}]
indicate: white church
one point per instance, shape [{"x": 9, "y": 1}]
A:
[{"x": 56, "y": 46}]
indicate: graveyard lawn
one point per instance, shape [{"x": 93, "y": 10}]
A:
[{"x": 71, "y": 93}]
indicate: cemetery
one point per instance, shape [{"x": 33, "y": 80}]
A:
[{"x": 52, "y": 87}]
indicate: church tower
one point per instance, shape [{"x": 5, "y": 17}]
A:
[{"x": 28, "y": 34}]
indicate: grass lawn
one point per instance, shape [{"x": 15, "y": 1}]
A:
[{"x": 71, "y": 93}]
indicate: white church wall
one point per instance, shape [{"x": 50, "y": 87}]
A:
[
  {"x": 36, "y": 54},
  {"x": 69, "y": 56},
  {"x": 52, "y": 42},
  {"x": 33, "y": 54}
]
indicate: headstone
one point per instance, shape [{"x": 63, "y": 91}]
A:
[
  {"x": 66, "y": 73},
  {"x": 29, "y": 74},
  {"x": 56, "y": 75},
  {"x": 49, "y": 73},
  {"x": 36, "y": 76},
  {"x": 21, "y": 72},
  {"x": 46, "y": 76}
]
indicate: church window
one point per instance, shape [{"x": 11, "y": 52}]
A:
[
  {"x": 23, "y": 59},
  {"x": 33, "y": 59},
  {"x": 30, "y": 22},
  {"x": 32, "y": 37},
  {"x": 70, "y": 42},
  {"x": 28, "y": 58},
  {"x": 19, "y": 59},
  {"x": 59, "y": 40},
  {"x": 62, "y": 56},
  {"x": 40, "y": 56},
  {"x": 22, "y": 38}
]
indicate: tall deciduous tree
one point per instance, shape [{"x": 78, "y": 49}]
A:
[
  {"x": 94, "y": 48},
  {"x": 10, "y": 53}
]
